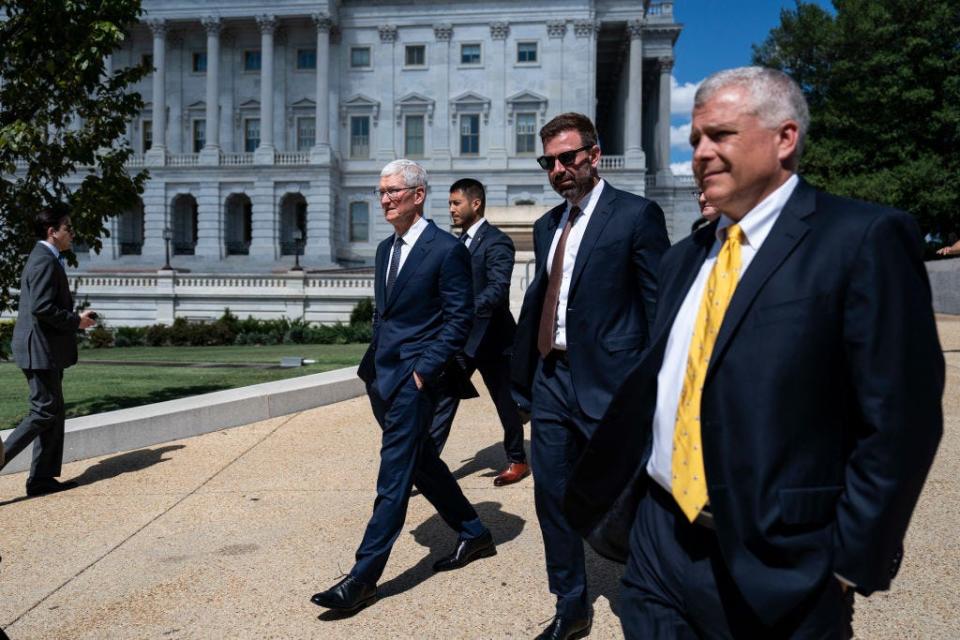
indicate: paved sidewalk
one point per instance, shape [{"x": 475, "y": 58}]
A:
[{"x": 228, "y": 534}]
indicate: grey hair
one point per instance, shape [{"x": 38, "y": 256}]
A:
[
  {"x": 413, "y": 174},
  {"x": 774, "y": 96}
]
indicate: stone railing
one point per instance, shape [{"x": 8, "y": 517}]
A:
[
  {"x": 183, "y": 159},
  {"x": 611, "y": 162},
  {"x": 136, "y": 160},
  {"x": 661, "y": 9},
  {"x": 293, "y": 157},
  {"x": 684, "y": 181},
  {"x": 234, "y": 159},
  {"x": 128, "y": 299}
]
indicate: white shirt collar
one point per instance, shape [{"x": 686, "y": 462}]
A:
[
  {"x": 413, "y": 233},
  {"x": 56, "y": 252},
  {"x": 472, "y": 231},
  {"x": 757, "y": 223}
]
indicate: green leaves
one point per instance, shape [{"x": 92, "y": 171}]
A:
[
  {"x": 883, "y": 81},
  {"x": 61, "y": 117}
]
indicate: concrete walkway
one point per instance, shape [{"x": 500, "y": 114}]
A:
[{"x": 228, "y": 534}]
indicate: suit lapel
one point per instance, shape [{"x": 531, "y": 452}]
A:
[
  {"x": 380, "y": 274},
  {"x": 787, "y": 232},
  {"x": 410, "y": 265},
  {"x": 598, "y": 220},
  {"x": 478, "y": 238},
  {"x": 553, "y": 221}
]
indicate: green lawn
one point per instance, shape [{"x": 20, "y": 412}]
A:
[{"x": 94, "y": 388}]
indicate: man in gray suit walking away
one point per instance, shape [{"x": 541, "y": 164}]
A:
[{"x": 44, "y": 344}]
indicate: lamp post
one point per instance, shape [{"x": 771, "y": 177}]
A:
[
  {"x": 297, "y": 243},
  {"x": 167, "y": 237}
]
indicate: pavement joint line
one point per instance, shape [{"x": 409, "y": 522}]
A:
[{"x": 152, "y": 520}]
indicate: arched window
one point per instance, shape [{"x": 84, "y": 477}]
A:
[
  {"x": 293, "y": 217},
  {"x": 238, "y": 230},
  {"x": 184, "y": 225},
  {"x": 130, "y": 230}
]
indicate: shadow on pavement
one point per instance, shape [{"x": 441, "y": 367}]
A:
[
  {"x": 439, "y": 539},
  {"x": 125, "y": 463},
  {"x": 491, "y": 459}
]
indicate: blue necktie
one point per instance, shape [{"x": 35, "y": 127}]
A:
[{"x": 394, "y": 266}]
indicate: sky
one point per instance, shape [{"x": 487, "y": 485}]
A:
[{"x": 717, "y": 34}]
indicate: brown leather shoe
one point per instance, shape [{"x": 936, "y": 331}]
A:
[{"x": 516, "y": 472}]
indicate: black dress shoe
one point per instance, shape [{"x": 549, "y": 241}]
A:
[
  {"x": 563, "y": 628},
  {"x": 49, "y": 485},
  {"x": 349, "y": 594},
  {"x": 466, "y": 552}
]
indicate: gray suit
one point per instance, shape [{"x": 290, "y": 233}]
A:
[{"x": 44, "y": 344}]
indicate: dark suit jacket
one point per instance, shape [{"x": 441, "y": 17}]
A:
[
  {"x": 427, "y": 318},
  {"x": 45, "y": 335},
  {"x": 492, "y": 257},
  {"x": 613, "y": 295},
  {"x": 821, "y": 406}
]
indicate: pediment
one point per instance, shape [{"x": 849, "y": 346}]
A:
[
  {"x": 250, "y": 104},
  {"x": 414, "y": 99},
  {"x": 527, "y": 97},
  {"x": 360, "y": 100},
  {"x": 303, "y": 103},
  {"x": 470, "y": 98}
]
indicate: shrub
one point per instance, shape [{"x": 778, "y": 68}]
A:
[
  {"x": 362, "y": 312},
  {"x": 6, "y": 335},
  {"x": 100, "y": 337},
  {"x": 129, "y": 336},
  {"x": 157, "y": 335}
]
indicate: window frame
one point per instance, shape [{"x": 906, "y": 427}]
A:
[
  {"x": 423, "y": 135},
  {"x": 145, "y": 126},
  {"x": 296, "y": 132},
  {"x": 475, "y": 134},
  {"x": 193, "y": 133},
  {"x": 406, "y": 51},
  {"x": 195, "y": 58},
  {"x": 470, "y": 65},
  {"x": 296, "y": 62},
  {"x": 532, "y": 134},
  {"x": 352, "y": 224},
  {"x": 249, "y": 53},
  {"x": 353, "y": 155},
  {"x": 360, "y": 47},
  {"x": 536, "y": 51},
  {"x": 246, "y": 139}
]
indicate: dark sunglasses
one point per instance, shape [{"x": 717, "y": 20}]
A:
[{"x": 566, "y": 158}]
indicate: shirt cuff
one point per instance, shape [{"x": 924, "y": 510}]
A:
[{"x": 848, "y": 583}]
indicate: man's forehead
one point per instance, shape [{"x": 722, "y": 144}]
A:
[
  {"x": 392, "y": 179},
  {"x": 567, "y": 137}
]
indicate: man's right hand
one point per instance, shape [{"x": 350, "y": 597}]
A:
[{"x": 87, "y": 319}]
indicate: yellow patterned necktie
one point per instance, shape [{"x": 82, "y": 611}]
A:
[{"x": 689, "y": 483}]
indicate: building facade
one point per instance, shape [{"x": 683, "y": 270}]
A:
[{"x": 276, "y": 118}]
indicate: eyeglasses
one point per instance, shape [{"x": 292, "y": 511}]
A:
[
  {"x": 696, "y": 193},
  {"x": 393, "y": 194},
  {"x": 566, "y": 158}
]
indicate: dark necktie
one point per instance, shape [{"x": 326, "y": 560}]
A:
[
  {"x": 548, "y": 316},
  {"x": 464, "y": 237},
  {"x": 63, "y": 262},
  {"x": 394, "y": 266}
]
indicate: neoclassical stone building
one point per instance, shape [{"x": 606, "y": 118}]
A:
[{"x": 277, "y": 117}]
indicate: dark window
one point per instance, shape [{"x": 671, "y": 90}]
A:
[
  {"x": 306, "y": 58},
  {"x": 251, "y": 60},
  {"x": 413, "y": 136},
  {"x": 416, "y": 55},
  {"x": 469, "y": 135},
  {"x": 251, "y": 134},
  {"x": 360, "y": 137},
  {"x": 147, "y": 135},
  {"x": 147, "y": 60},
  {"x": 199, "y": 135},
  {"x": 526, "y": 52},
  {"x": 359, "y": 222},
  {"x": 199, "y": 62},
  {"x": 470, "y": 54},
  {"x": 526, "y": 132}
]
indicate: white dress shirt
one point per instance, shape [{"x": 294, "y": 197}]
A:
[
  {"x": 587, "y": 205},
  {"x": 409, "y": 239},
  {"x": 756, "y": 225},
  {"x": 56, "y": 252},
  {"x": 472, "y": 232}
]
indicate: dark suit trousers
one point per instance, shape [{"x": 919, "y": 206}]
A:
[
  {"x": 408, "y": 458},
  {"x": 677, "y": 586},
  {"x": 44, "y": 424},
  {"x": 496, "y": 377},
  {"x": 558, "y": 436}
]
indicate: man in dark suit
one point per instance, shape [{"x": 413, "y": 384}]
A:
[
  {"x": 770, "y": 447},
  {"x": 423, "y": 311},
  {"x": 491, "y": 338},
  {"x": 585, "y": 320},
  {"x": 44, "y": 344}
]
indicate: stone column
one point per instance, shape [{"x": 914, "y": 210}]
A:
[
  {"x": 264, "y": 246},
  {"x": 582, "y": 63},
  {"x": 210, "y": 229},
  {"x": 157, "y": 154},
  {"x": 210, "y": 154},
  {"x": 554, "y": 63},
  {"x": 385, "y": 68},
  {"x": 265, "y": 152},
  {"x": 496, "y": 132},
  {"x": 155, "y": 220},
  {"x": 320, "y": 154},
  {"x": 662, "y": 132},
  {"x": 442, "y": 60},
  {"x": 633, "y": 131}
]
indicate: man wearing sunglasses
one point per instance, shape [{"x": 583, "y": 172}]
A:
[
  {"x": 44, "y": 344},
  {"x": 585, "y": 319}
]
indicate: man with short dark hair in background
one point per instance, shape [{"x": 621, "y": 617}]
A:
[
  {"x": 490, "y": 341},
  {"x": 585, "y": 321},
  {"x": 44, "y": 344}
]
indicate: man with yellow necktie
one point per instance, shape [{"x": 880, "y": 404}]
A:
[{"x": 763, "y": 459}]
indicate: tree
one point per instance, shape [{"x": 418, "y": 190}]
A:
[
  {"x": 882, "y": 78},
  {"x": 62, "y": 118}
]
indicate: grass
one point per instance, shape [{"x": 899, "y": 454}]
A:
[{"x": 95, "y": 388}]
